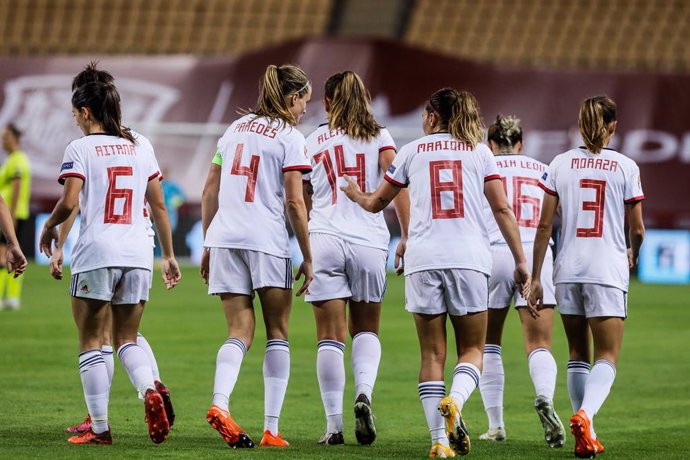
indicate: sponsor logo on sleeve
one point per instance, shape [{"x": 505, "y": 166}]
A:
[
  {"x": 391, "y": 170},
  {"x": 544, "y": 176},
  {"x": 68, "y": 165}
]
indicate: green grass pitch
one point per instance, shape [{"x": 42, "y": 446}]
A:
[{"x": 646, "y": 415}]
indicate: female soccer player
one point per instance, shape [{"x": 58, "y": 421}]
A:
[
  {"x": 350, "y": 248},
  {"x": 256, "y": 174},
  {"x": 520, "y": 176},
  {"x": 120, "y": 174},
  {"x": 92, "y": 74},
  {"x": 595, "y": 187},
  {"x": 448, "y": 260}
]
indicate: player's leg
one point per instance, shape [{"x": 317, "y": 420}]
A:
[
  {"x": 160, "y": 386},
  {"x": 543, "y": 371},
  {"x": 14, "y": 285},
  {"x": 229, "y": 278},
  {"x": 276, "y": 304},
  {"x": 492, "y": 379},
  {"x": 606, "y": 310},
  {"x": 331, "y": 333},
  {"x": 424, "y": 299},
  {"x": 3, "y": 272},
  {"x": 128, "y": 301},
  {"x": 466, "y": 294},
  {"x": 89, "y": 316},
  {"x": 328, "y": 294},
  {"x": 366, "y": 270},
  {"x": 107, "y": 351}
]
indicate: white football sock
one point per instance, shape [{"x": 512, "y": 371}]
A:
[
  {"x": 228, "y": 363},
  {"x": 94, "y": 381},
  {"x": 598, "y": 386},
  {"x": 330, "y": 370},
  {"x": 144, "y": 344},
  {"x": 465, "y": 380},
  {"x": 491, "y": 384},
  {"x": 366, "y": 355},
  {"x": 431, "y": 393},
  {"x": 543, "y": 370},
  {"x": 136, "y": 364},
  {"x": 109, "y": 359},
  {"x": 276, "y": 375},
  {"x": 578, "y": 372}
]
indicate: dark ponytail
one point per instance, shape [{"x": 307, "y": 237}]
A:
[
  {"x": 103, "y": 101},
  {"x": 91, "y": 74}
]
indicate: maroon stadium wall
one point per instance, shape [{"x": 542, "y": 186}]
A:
[{"x": 654, "y": 109}]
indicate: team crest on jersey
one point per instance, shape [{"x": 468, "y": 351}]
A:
[
  {"x": 544, "y": 176},
  {"x": 391, "y": 170},
  {"x": 68, "y": 165}
]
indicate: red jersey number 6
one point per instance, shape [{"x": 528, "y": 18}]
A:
[{"x": 114, "y": 193}]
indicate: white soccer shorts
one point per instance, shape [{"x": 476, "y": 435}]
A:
[
  {"x": 242, "y": 271},
  {"x": 119, "y": 286},
  {"x": 591, "y": 300},
  {"x": 455, "y": 291},
  {"x": 502, "y": 289},
  {"x": 343, "y": 270}
]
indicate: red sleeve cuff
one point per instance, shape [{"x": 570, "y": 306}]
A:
[
  {"x": 394, "y": 182},
  {"x": 634, "y": 199},
  {"x": 154, "y": 175},
  {"x": 62, "y": 177},
  {"x": 546, "y": 189},
  {"x": 387, "y": 147},
  {"x": 492, "y": 177},
  {"x": 304, "y": 168}
]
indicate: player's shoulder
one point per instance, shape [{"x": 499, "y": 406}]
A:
[
  {"x": 319, "y": 131},
  {"x": 623, "y": 160}
]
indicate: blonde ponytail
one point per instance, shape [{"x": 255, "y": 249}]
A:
[
  {"x": 279, "y": 83},
  {"x": 465, "y": 122},
  {"x": 596, "y": 114},
  {"x": 350, "y": 107}
]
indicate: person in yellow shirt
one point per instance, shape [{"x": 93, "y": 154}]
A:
[{"x": 15, "y": 189}]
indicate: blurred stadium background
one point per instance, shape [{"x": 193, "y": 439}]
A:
[{"x": 185, "y": 66}]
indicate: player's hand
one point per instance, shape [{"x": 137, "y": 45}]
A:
[
  {"x": 15, "y": 260},
  {"x": 205, "y": 262},
  {"x": 171, "y": 272},
  {"x": 56, "y": 264},
  {"x": 400, "y": 256},
  {"x": 536, "y": 298},
  {"x": 307, "y": 270},
  {"x": 632, "y": 262},
  {"x": 45, "y": 243},
  {"x": 351, "y": 189},
  {"x": 523, "y": 281}
]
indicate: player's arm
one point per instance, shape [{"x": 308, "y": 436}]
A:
[
  {"x": 15, "y": 258},
  {"x": 209, "y": 197},
  {"x": 496, "y": 196},
  {"x": 297, "y": 214},
  {"x": 402, "y": 210},
  {"x": 307, "y": 192},
  {"x": 63, "y": 233},
  {"x": 541, "y": 245},
  {"x": 374, "y": 201},
  {"x": 159, "y": 214},
  {"x": 62, "y": 211},
  {"x": 635, "y": 232}
]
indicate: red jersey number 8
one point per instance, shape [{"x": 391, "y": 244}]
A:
[
  {"x": 454, "y": 187},
  {"x": 114, "y": 193}
]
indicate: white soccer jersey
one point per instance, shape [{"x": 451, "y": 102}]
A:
[
  {"x": 332, "y": 154},
  {"x": 520, "y": 175},
  {"x": 446, "y": 181},
  {"x": 253, "y": 154},
  {"x": 593, "y": 190},
  {"x": 113, "y": 229}
]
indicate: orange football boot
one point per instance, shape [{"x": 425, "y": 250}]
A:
[
  {"x": 585, "y": 447},
  {"x": 222, "y": 422},
  {"x": 599, "y": 446},
  {"x": 270, "y": 440},
  {"x": 89, "y": 437}
]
